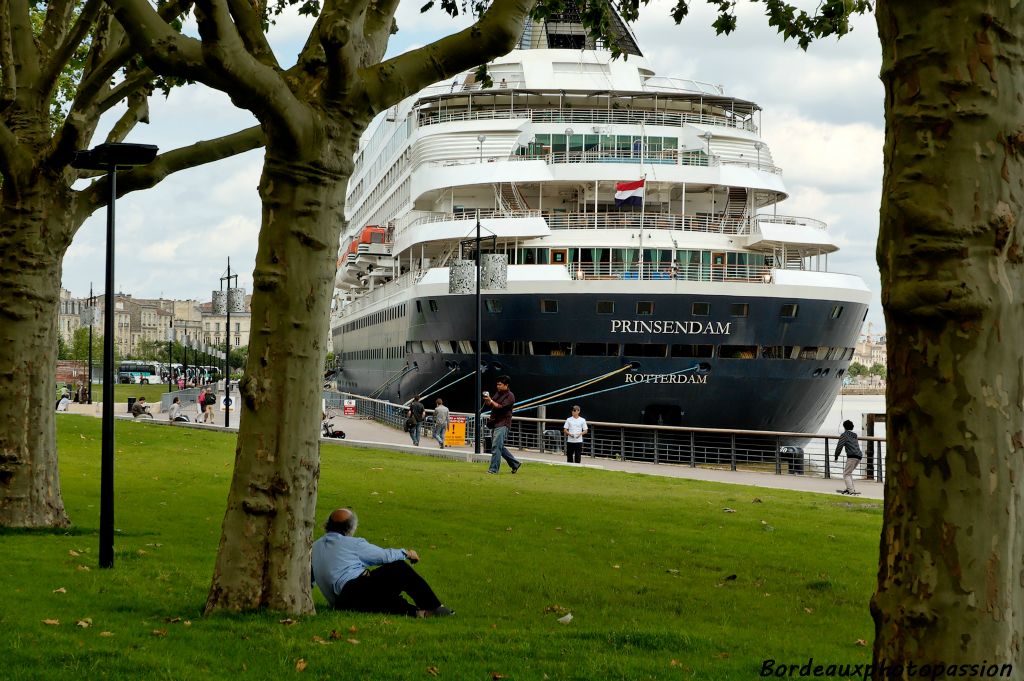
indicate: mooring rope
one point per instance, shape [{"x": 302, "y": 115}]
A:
[{"x": 558, "y": 392}]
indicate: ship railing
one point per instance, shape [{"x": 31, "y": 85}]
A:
[
  {"x": 669, "y": 157},
  {"x": 790, "y": 220},
  {"x": 660, "y": 271},
  {"x": 594, "y": 117},
  {"x": 758, "y": 451},
  {"x": 384, "y": 290},
  {"x": 701, "y": 222}
]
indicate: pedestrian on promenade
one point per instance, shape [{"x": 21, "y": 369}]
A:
[
  {"x": 200, "y": 404},
  {"x": 500, "y": 421},
  {"x": 340, "y": 563},
  {"x": 575, "y": 428},
  {"x": 414, "y": 418},
  {"x": 848, "y": 441},
  {"x": 441, "y": 415}
]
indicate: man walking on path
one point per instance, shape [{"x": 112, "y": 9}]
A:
[
  {"x": 416, "y": 412},
  {"x": 848, "y": 441},
  {"x": 500, "y": 421},
  {"x": 440, "y": 422},
  {"x": 339, "y": 569}
]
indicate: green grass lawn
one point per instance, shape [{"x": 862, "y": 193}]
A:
[{"x": 662, "y": 583}]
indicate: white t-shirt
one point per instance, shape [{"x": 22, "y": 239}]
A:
[{"x": 576, "y": 425}]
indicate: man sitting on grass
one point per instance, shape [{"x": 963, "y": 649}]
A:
[{"x": 339, "y": 569}]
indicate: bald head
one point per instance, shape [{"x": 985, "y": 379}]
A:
[{"x": 343, "y": 521}]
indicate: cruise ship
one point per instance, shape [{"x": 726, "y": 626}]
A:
[{"x": 637, "y": 256}]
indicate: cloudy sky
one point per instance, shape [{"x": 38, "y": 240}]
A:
[{"x": 822, "y": 119}]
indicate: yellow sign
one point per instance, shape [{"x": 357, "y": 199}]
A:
[{"x": 456, "y": 433}]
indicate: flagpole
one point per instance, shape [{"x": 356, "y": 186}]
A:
[{"x": 643, "y": 203}]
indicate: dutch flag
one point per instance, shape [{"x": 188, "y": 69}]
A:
[{"x": 629, "y": 193}]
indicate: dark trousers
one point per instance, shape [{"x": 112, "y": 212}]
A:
[
  {"x": 380, "y": 590},
  {"x": 573, "y": 450}
]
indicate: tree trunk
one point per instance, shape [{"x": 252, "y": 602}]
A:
[
  {"x": 30, "y": 275},
  {"x": 263, "y": 561},
  {"x": 951, "y": 249}
]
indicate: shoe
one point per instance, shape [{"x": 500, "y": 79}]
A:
[
  {"x": 843, "y": 491},
  {"x": 516, "y": 469},
  {"x": 439, "y": 611},
  {"x": 492, "y": 472}
]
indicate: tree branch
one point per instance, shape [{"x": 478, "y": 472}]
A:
[
  {"x": 96, "y": 194},
  {"x": 8, "y": 72},
  {"x": 250, "y": 28},
  {"x": 132, "y": 83},
  {"x": 138, "y": 111},
  {"x": 334, "y": 30},
  {"x": 250, "y": 83},
  {"x": 164, "y": 49},
  {"x": 12, "y": 155},
  {"x": 494, "y": 34},
  {"x": 63, "y": 50},
  {"x": 23, "y": 47}
]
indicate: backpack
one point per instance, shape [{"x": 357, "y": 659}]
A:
[{"x": 209, "y": 400}]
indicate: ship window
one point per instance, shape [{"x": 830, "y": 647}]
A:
[
  {"x": 645, "y": 307},
  {"x": 548, "y": 307},
  {"x": 865, "y": 315},
  {"x": 419, "y": 307},
  {"x": 552, "y": 348},
  {"x": 692, "y": 350},
  {"x": 493, "y": 306},
  {"x": 465, "y": 348},
  {"x": 512, "y": 348},
  {"x": 429, "y": 347},
  {"x": 433, "y": 306},
  {"x": 606, "y": 307},
  {"x": 809, "y": 353},
  {"x": 817, "y": 372},
  {"x": 492, "y": 347},
  {"x": 789, "y": 311},
  {"x": 700, "y": 309},
  {"x": 822, "y": 353},
  {"x": 446, "y": 347},
  {"x": 837, "y": 311},
  {"x": 645, "y": 349},
  {"x": 839, "y": 374},
  {"x": 597, "y": 349},
  {"x": 825, "y": 372},
  {"x": 849, "y": 353},
  {"x": 737, "y": 351},
  {"x": 739, "y": 310},
  {"x": 778, "y": 352}
]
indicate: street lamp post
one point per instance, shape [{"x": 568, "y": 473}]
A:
[
  {"x": 707, "y": 138},
  {"x": 477, "y": 405},
  {"x": 480, "y": 139},
  {"x": 758, "y": 146},
  {"x": 227, "y": 343},
  {"x": 92, "y": 321},
  {"x": 110, "y": 157},
  {"x": 170, "y": 357}
]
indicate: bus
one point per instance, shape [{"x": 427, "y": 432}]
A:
[{"x": 130, "y": 371}]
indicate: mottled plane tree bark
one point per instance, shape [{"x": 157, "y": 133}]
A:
[
  {"x": 951, "y": 254},
  {"x": 312, "y": 116},
  {"x": 63, "y": 65}
]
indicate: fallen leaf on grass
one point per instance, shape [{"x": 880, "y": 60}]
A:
[
  {"x": 721, "y": 656},
  {"x": 808, "y": 610},
  {"x": 317, "y": 639},
  {"x": 82, "y": 568},
  {"x": 61, "y": 590},
  {"x": 861, "y": 642},
  {"x": 106, "y": 634},
  {"x": 433, "y": 671},
  {"x": 84, "y": 624},
  {"x": 172, "y": 620},
  {"x": 141, "y": 552},
  {"x": 334, "y": 635},
  {"x": 566, "y": 619},
  {"x": 159, "y": 632},
  {"x": 52, "y": 623},
  {"x": 757, "y": 500},
  {"x": 557, "y": 609},
  {"x": 495, "y": 676},
  {"x": 672, "y": 571},
  {"x": 353, "y": 641},
  {"x": 728, "y": 510},
  {"x": 287, "y": 621},
  {"x": 187, "y": 623},
  {"x": 300, "y": 665},
  {"x": 673, "y": 663},
  {"x": 616, "y": 567},
  {"x": 353, "y": 629},
  {"x": 72, "y": 552}
]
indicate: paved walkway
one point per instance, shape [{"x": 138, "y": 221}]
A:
[{"x": 367, "y": 434}]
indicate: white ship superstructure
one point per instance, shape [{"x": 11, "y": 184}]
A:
[{"x": 707, "y": 293}]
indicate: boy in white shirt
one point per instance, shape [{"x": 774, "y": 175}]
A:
[{"x": 574, "y": 429}]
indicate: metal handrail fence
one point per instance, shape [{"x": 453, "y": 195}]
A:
[
  {"x": 782, "y": 453},
  {"x": 585, "y": 116}
]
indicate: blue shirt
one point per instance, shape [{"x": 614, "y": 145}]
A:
[{"x": 337, "y": 559}]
